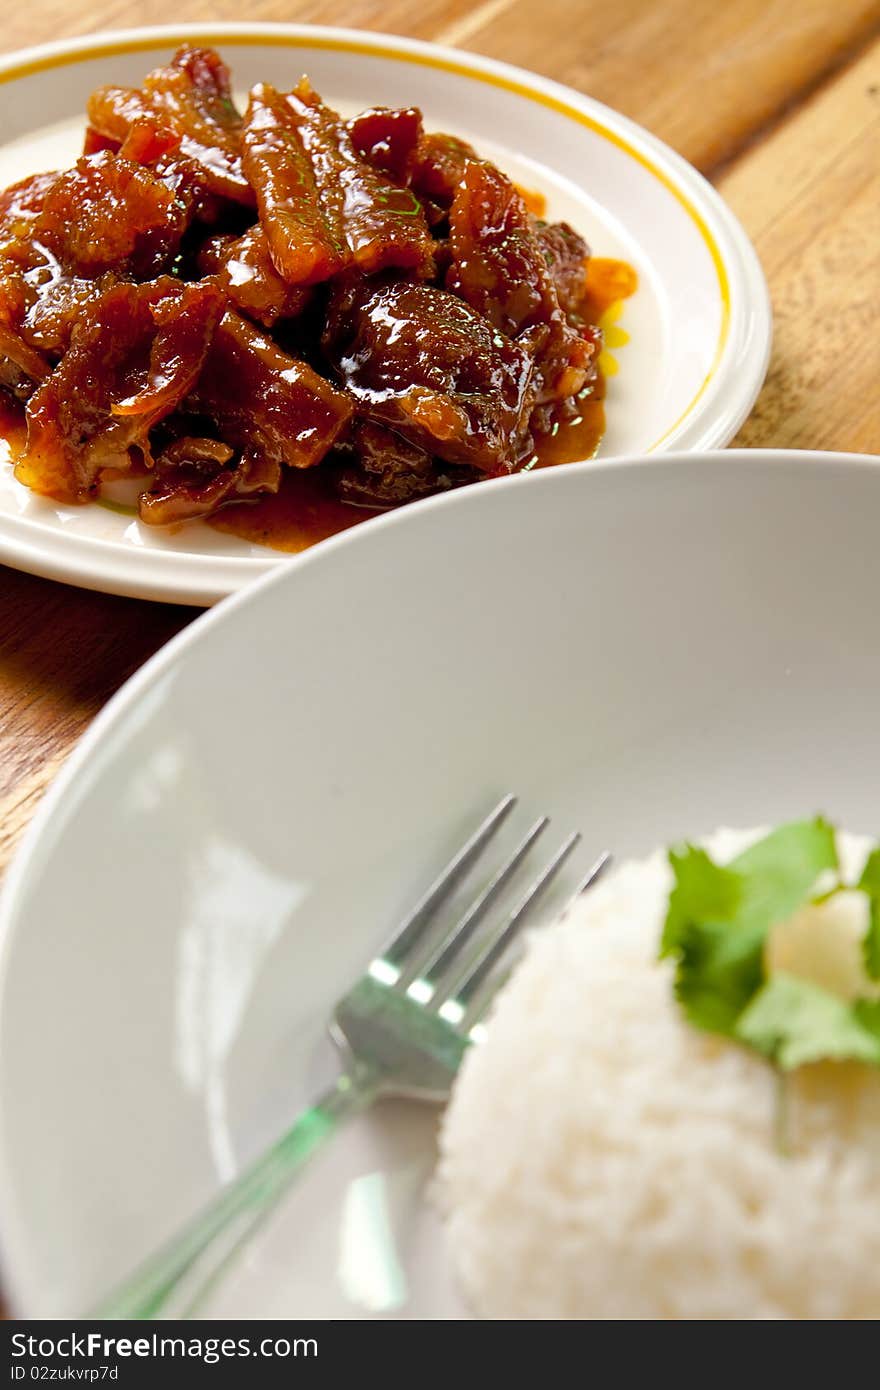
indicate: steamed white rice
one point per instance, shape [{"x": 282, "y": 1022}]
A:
[{"x": 600, "y": 1158}]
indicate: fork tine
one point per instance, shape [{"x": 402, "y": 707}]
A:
[
  {"x": 437, "y": 961},
  {"x": 593, "y": 874},
  {"x": 414, "y": 924},
  {"x": 463, "y": 987},
  {"x": 471, "y": 1018}
]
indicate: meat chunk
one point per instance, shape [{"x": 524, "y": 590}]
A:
[
  {"x": 39, "y": 300},
  {"x": 148, "y": 142},
  {"x": 38, "y": 305},
  {"x": 379, "y": 468},
  {"x": 500, "y": 269},
  {"x": 388, "y": 139},
  {"x": 75, "y": 236},
  {"x": 58, "y": 304},
  {"x": 23, "y": 201},
  {"x": 23, "y": 267},
  {"x": 382, "y": 469},
  {"x": 438, "y": 167},
  {"x": 24, "y": 360},
  {"x": 247, "y": 273},
  {"x": 420, "y": 361},
  {"x": 383, "y": 225},
  {"x": 110, "y": 212},
  {"x": 13, "y": 381},
  {"x": 566, "y": 254},
  {"x": 133, "y": 357},
  {"x": 94, "y": 142},
  {"x": 274, "y": 409},
  {"x": 263, "y": 401},
  {"x": 192, "y": 479},
  {"x": 322, "y": 207},
  {"x": 66, "y": 239},
  {"x": 498, "y": 265},
  {"x": 191, "y": 98},
  {"x": 307, "y": 245}
]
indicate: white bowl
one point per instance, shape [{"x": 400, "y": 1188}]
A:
[{"x": 643, "y": 649}]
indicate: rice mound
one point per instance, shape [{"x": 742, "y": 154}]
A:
[{"x": 601, "y": 1159}]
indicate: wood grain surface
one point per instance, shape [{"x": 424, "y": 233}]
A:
[{"x": 777, "y": 102}]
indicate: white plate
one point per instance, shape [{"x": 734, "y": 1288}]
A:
[
  {"x": 699, "y": 325},
  {"x": 643, "y": 649}
]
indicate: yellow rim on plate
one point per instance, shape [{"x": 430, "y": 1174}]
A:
[{"x": 221, "y": 38}]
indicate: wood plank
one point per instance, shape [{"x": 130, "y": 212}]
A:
[
  {"x": 64, "y": 652},
  {"x": 17, "y": 808},
  {"x": 809, "y": 198},
  {"x": 56, "y": 19},
  {"x": 706, "y": 77}
]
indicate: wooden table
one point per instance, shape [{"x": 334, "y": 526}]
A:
[{"x": 777, "y": 103}]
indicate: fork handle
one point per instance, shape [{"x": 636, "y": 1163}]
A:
[{"x": 175, "y": 1280}]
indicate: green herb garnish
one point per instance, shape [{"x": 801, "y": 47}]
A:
[
  {"x": 717, "y": 926},
  {"x": 870, "y": 884},
  {"x": 793, "y": 1021}
]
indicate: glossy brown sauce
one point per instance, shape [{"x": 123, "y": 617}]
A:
[
  {"x": 576, "y": 439},
  {"x": 12, "y": 428},
  {"x": 306, "y": 510}
]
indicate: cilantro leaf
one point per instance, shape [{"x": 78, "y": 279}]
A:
[
  {"x": 720, "y": 968},
  {"x": 780, "y": 871},
  {"x": 793, "y": 1022},
  {"x": 717, "y": 926},
  {"x": 870, "y": 884},
  {"x": 867, "y": 1011},
  {"x": 703, "y": 892},
  {"x": 765, "y": 884}
]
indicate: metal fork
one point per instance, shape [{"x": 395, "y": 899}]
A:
[{"x": 402, "y": 1030}]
